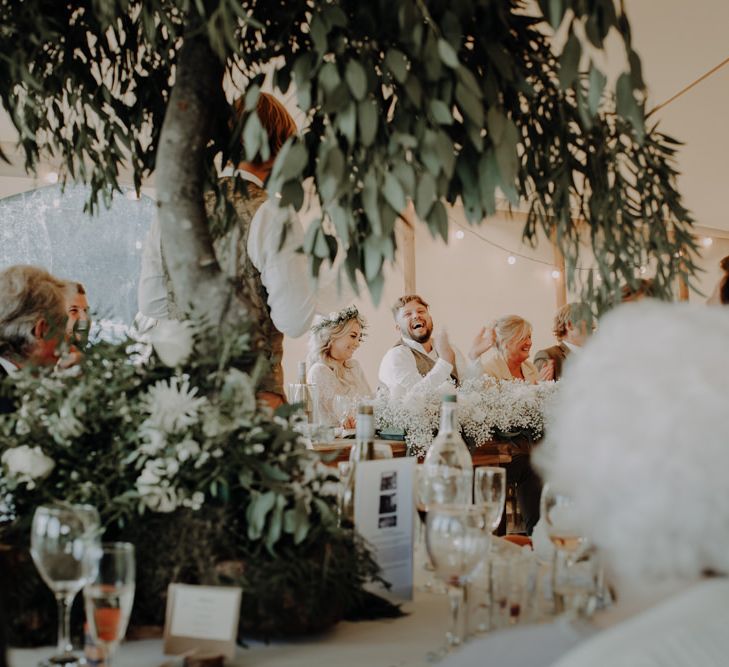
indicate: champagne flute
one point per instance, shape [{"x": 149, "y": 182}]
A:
[
  {"x": 109, "y": 595},
  {"x": 489, "y": 490},
  {"x": 62, "y": 545},
  {"x": 457, "y": 538}
]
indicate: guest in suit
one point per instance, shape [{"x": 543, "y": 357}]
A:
[
  {"x": 571, "y": 328},
  {"x": 509, "y": 360},
  {"x": 32, "y": 317}
]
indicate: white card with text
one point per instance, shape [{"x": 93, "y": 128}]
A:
[
  {"x": 383, "y": 515},
  {"x": 203, "y": 618}
]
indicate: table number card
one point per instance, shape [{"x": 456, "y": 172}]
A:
[
  {"x": 383, "y": 515},
  {"x": 203, "y": 619}
]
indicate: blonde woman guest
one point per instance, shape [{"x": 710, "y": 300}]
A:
[
  {"x": 334, "y": 340},
  {"x": 509, "y": 360}
]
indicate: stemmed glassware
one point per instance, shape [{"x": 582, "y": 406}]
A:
[
  {"x": 563, "y": 529},
  {"x": 489, "y": 490},
  {"x": 344, "y": 409},
  {"x": 439, "y": 485},
  {"x": 108, "y": 596},
  {"x": 64, "y": 544},
  {"x": 457, "y": 538}
]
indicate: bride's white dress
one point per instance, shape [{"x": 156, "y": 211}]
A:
[{"x": 352, "y": 383}]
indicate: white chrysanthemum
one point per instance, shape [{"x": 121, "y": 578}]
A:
[
  {"x": 172, "y": 406},
  {"x": 640, "y": 439}
]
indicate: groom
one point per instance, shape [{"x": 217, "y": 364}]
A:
[{"x": 422, "y": 359}]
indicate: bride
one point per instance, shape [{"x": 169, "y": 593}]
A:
[{"x": 334, "y": 339}]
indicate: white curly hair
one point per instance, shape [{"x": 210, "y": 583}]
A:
[{"x": 640, "y": 438}]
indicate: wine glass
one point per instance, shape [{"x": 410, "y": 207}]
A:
[
  {"x": 109, "y": 595},
  {"x": 489, "y": 490},
  {"x": 64, "y": 548},
  {"x": 562, "y": 525},
  {"x": 343, "y": 407},
  {"x": 457, "y": 538},
  {"x": 439, "y": 485}
]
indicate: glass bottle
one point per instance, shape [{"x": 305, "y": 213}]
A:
[
  {"x": 303, "y": 393},
  {"x": 448, "y": 448},
  {"x": 363, "y": 450}
]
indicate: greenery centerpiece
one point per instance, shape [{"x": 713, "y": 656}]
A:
[
  {"x": 488, "y": 410},
  {"x": 177, "y": 459}
]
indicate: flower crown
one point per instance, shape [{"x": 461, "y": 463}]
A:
[{"x": 337, "y": 318}]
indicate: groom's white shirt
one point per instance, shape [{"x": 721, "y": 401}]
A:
[
  {"x": 293, "y": 296},
  {"x": 399, "y": 371}
]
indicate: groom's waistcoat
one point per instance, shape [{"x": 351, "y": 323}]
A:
[{"x": 424, "y": 363}]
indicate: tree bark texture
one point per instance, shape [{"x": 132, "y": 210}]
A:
[{"x": 200, "y": 287}]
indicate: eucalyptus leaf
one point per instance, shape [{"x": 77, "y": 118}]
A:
[{"x": 356, "y": 79}]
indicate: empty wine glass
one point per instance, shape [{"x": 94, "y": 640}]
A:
[
  {"x": 457, "y": 538},
  {"x": 108, "y": 597},
  {"x": 489, "y": 490},
  {"x": 344, "y": 410},
  {"x": 64, "y": 547},
  {"x": 439, "y": 485}
]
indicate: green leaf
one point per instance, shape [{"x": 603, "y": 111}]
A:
[
  {"x": 370, "y": 202},
  {"x": 447, "y": 54},
  {"x": 397, "y": 63},
  {"x": 627, "y": 106},
  {"x": 356, "y": 78},
  {"x": 595, "y": 88},
  {"x": 438, "y": 221},
  {"x": 414, "y": 90},
  {"x": 496, "y": 123},
  {"x": 441, "y": 113},
  {"x": 425, "y": 195},
  {"x": 258, "y": 507},
  {"x": 569, "y": 61},
  {"x": 393, "y": 192},
  {"x": 318, "y": 32},
  {"x": 347, "y": 122},
  {"x": 292, "y": 194},
  {"x": 470, "y": 104},
  {"x": 372, "y": 258},
  {"x": 368, "y": 121},
  {"x": 296, "y": 161},
  {"x": 254, "y": 136},
  {"x": 329, "y": 78},
  {"x": 251, "y": 98},
  {"x": 506, "y": 155}
]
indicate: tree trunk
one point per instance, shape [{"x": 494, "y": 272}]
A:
[{"x": 200, "y": 287}]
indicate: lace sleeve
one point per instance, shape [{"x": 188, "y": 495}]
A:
[{"x": 327, "y": 387}]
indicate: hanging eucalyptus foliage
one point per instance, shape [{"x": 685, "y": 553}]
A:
[{"x": 430, "y": 101}]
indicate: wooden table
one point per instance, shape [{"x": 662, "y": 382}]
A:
[{"x": 488, "y": 454}]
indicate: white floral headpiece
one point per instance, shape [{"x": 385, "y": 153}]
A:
[{"x": 336, "y": 318}]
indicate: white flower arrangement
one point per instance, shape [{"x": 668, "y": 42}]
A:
[{"x": 487, "y": 409}]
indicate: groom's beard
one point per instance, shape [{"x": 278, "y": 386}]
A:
[{"x": 421, "y": 335}]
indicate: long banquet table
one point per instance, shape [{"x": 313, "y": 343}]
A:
[{"x": 398, "y": 642}]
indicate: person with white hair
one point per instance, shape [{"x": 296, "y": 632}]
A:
[{"x": 640, "y": 440}]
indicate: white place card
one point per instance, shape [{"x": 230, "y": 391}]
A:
[
  {"x": 203, "y": 619},
  {"x": 383, "y": 515}
]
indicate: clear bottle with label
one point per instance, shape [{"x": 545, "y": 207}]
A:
[{"x": 362, "y": 450}]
